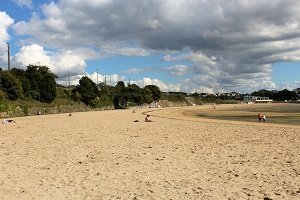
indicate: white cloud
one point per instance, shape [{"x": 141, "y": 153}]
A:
[
  {"x": 5, "y": 22},
  {"x": 110, "y": 50},
  {"x": 196, "y": 57},
  {"x": 26, "y": 3},
  {"x": 290, "y": 86},
  {"x": 33, "y": 54},
  {"x": 139, "y": 70},
  {"x": 110, "y": 79},
  {"x": 178, "y": 70},
  {"x": 233, "y": 44},
  {"x": 59, "y": 62}
]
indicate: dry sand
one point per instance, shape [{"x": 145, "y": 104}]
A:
[{"x": 105, "y": 155}]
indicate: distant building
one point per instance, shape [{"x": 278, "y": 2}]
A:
[{"x": 257, "y": 99}]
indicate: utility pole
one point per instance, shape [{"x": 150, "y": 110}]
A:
[
  {"x": 97, "y": 77},
  {"x": 69, "y": 80},
  {"x": 105, "y": 80},
  {"x": 8, "y": 57},
  {"x": 129, "y": 81}
]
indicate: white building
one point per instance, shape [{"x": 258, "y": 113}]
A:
[{"x": 257, "y": 99}]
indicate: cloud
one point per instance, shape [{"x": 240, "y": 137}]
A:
[
  {"x": 290, "y": 86},
  {"x": 111, "y": 79},
  {"x": 110, "y": 50},
  {"x": 5, "y": 22},
  {"x": 59, "y": 62},
  {"x": 26, "y": 3},
  {"x": 139, "y": 70},
  {"x": 177, "y": 70},
  {"x": 233, "y": 44}
]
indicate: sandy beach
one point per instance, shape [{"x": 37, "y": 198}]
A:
[{"x": 105, "y": 155}]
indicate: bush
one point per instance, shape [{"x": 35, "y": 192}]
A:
[
  {"x": 35, "y": 95},
  {"x": 2, "y": 94},
  {"x": 10, "y": 85}
]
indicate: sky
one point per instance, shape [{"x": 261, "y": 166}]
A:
[{"x": 210, "y": 46}]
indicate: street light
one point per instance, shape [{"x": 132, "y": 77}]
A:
[{"x": 8, "y": 57}]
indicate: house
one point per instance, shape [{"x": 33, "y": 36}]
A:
[{"x": 257, "y": 99}]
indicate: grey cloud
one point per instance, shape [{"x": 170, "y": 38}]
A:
[
  {"x": 178, "y": 70},
  {"x": 139, "y": 70},
  {"x": 245, "y": 37}
]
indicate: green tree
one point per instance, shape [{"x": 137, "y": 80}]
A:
[
  {"x": 156, "y": 93},
  {"x": 147, "y": 95},
  {"x": 285, "y": 95},
  {"x": 87, "y": 89},
  {"x": 263, "y": 93},
  {"x": 120, "y": 96},
  {"x": 47, "y": 87},
  {"x": 42, "y": 81},
  {"x": 10, "y": 85},
  {"x": 104, "y": 89},
  {"x": 134, "y": 94},
  {"x": 2, "y": 94},
  {"x": 20, "y": 74}
]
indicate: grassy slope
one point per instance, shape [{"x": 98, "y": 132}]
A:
[{"x": 61, "y": 99}]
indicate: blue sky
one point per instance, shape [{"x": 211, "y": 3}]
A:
[{"x": 190, "y": 46}]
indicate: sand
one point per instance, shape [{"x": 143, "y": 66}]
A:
[{"x": 105, "y": 155}]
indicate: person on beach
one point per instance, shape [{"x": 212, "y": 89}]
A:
[
  {"x": 6, "y": 121},
  {"x": 259, "y": 117},
  {"x": 264, "y": 117},
  {"x": 147, "y": 119}
]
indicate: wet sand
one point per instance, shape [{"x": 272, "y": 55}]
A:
[{"x": 105, "y": 155}]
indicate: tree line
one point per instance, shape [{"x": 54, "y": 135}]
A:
[
  {"x": 282, "y": 95},
  {"x": 38, "y": 83},
  {"x": 119, "y": 95}
]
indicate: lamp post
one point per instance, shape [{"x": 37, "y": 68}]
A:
[{"x": 8, "y": 57}]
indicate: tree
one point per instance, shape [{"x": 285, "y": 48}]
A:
[
  {"x": 10, "y": 85},
  {"x": 285, "y": 95},
  {"x": 147, "y": 95},
  {"x": 134, "y": 94},
  {"x": 42, "y": 82},
  {"x": 120, "y": 95},
  {"x": 47, "y": 87},
  {"x": 263, "y": 93},
  {"x": 156, "y": 93},
  {"x": 87, "y": 89},
  {"x": 104, "y": 89},
  {"x": 20, "y": 74}
]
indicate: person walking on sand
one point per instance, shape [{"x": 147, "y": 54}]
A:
[{"x": 259, "y": 117}]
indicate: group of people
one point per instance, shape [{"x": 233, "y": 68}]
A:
[{"x": 261, "y": 117}]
